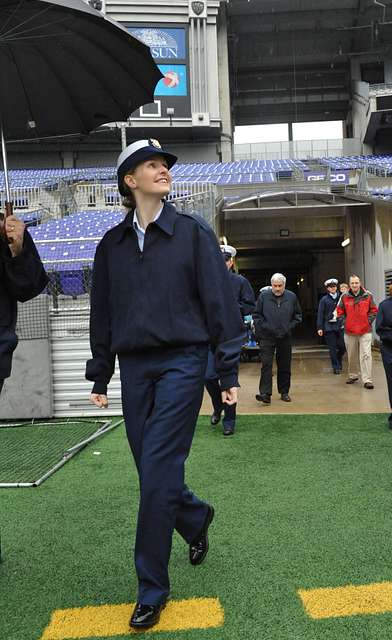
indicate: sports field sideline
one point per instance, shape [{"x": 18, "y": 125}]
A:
[{"x": 302, "y": 503}]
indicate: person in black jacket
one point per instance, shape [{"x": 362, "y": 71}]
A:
[
  {"x": 277, "y": 313},
  {"x": 329, "y": 326},
  {"x": 384, "y": 330},
  {"x": 22, "y": 277},
  {"x": 245, "y": 297},
  {"x": 160, "y": 295}
]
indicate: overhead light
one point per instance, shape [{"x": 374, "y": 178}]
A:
[{"x": 346, "y": 242}]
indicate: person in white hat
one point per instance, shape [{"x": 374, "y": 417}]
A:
[
  {"x": 328, "y": 325},
  {"x": 160, "y": 296},
  {"x": 245, "y": 298}
]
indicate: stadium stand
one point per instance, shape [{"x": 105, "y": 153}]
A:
[{"x": 236, "y": 172}]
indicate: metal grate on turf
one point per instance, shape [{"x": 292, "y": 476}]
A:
[{"x": 31, "y": 452}]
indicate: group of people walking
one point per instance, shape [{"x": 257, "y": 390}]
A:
[
  {"x": 345, "y": 321},
  {"x": 165, "y": 300}
]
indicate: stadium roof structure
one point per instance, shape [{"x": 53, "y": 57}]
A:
[
  {"x": 293, "y": 60},
  {"x": 309, "y": 202}
]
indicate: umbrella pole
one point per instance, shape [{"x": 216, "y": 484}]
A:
[{"x": 8, "y": 202}]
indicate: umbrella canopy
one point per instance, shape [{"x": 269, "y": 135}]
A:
[{"x": 65, "y": 68}]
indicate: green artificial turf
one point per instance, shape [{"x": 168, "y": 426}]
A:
[{"x": 301, "y": 502}]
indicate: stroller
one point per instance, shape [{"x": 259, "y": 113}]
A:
[{"x": 250, "y": 349}]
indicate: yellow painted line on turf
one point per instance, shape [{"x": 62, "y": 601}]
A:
[
  {"x": 351, "y": 600},
  {"x": 106, "y": 621}
]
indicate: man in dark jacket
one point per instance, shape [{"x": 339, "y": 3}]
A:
[
  {"x": 328, "y": 325},
  {"x": 277, "y": 313},
  {"x": 22, "y": 277},
  {"x": 384, "y": 330},
  {"x": 245, "y": 297}
]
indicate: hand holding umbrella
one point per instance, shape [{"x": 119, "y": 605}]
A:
[{"x": 13, "y": 229}]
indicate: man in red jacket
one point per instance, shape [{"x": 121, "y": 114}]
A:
[{"x": 359, "y": 310}]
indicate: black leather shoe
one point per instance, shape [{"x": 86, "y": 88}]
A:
[
  {"x": 337, "y": 371},
  {"x": 228, "y": 431},
  {"x": 285, "y": 397},
  {"x": 215, "y": 418},
  {"x": 146, "y": 615},
  {"x": 198, "y": 549},
  {"x": 263, "y": 397}
]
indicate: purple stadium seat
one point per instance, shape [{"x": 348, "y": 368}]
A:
[{"x": 72, "y": 283}]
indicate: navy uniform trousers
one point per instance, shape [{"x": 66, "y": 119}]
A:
[
  {"x": 336, "y": 346},
  {"x": 162, "y": 391},
  {"x": 386, "y": 354},
  {"x": 213, "y": 387}
]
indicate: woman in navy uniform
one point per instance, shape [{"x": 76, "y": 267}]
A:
[
  {"x": 22, "y": 277},
  {"x": 245, "y": 298},
  {"x": 384, "y": 330},
  {"x": 160, "y": 295}
]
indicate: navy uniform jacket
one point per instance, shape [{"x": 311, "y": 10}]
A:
[
  {"x": 21, "y": 278},
  {"x": 243, "y": 293},
  {"x": 326, "y": 307},
  {"x": 276, "y": 316},
  {"x": 384, "y": 322},
  {"x": 175, "y": 293}
]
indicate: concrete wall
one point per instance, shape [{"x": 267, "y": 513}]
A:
[
  {"x": 361, "y": 108},
  {"x": 369, "y": 254},
  {"x": 27, "y": 393},
  {"x": 254, "y": 230}
]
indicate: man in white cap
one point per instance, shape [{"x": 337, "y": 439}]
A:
[
  {"x": 245, "y": 297},
  {"x": 329, "y": 326}
]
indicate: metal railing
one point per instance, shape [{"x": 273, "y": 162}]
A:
[{"x": 382, "y": 89}]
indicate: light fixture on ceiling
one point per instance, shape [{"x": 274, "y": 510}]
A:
[{"x": 346, "y": 242}]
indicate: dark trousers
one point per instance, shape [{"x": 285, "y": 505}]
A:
[
  {"x": 268, "y": 346},
  {"x": 386, "y": 354},
  {"x": 336, "y": 346},
  {"x": 212, "y": 385},
  {"x": 162, "y": 393}
]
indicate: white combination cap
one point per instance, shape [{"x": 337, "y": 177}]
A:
[
  {"x": 228, "y": 250},
  {"x": 138, "y": 152}
]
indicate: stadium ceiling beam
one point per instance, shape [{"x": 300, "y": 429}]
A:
[
  {"x": 268, "y": 7},
  {"x": 263, "y": 24},
  {"x": 310, "y": 60},
  {"x": 320, "y": 113},
  {"x": 301, "y": 70},
  {"x": 280, "y": 100},
  {"x": 293, "y": 92}
]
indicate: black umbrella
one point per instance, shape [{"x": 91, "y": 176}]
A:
[{"x": 65, "y": 68}]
